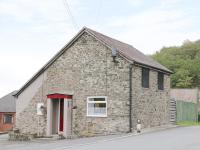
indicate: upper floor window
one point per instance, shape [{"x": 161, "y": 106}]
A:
[
  {"x": 97, "y": 106},
  {"x": 160, "y": 81},
  {"x": 145, "y": 77},
  {"x": 8, "y": 119}
]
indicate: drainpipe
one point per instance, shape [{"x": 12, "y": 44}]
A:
[{"x": 130, "y": 97}]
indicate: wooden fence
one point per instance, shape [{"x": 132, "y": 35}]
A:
[{"x": 186, "y": 111}]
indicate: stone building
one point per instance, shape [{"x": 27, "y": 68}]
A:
[
  {"x": 7, "y": 112},
  {"x": 95, "y": 85}
]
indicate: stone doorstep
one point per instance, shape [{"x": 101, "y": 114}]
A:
[{"x": 51, "y": 138}]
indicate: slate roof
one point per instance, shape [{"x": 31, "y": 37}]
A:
[
  {"x": 129, "y": 51},
  {"x": 7, "y": 103},
  {"x": 125, "y": 49}
]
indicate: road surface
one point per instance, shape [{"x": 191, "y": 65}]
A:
[{"x": 181, "y": 138}]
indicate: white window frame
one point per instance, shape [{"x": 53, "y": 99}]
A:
[{"x": 89, "y": 102}]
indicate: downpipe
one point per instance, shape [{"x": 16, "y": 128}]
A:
[{"x": 130, "y": 97}]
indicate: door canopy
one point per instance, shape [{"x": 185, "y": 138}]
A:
[{"x": 57, "y": 95}]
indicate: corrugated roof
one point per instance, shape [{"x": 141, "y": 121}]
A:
[
  {"x": 7, "y": 103},
  {"x": 125, "y": 49}
]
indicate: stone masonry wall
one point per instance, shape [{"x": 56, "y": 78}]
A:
[
  {"x": 150, "y": 105},
  {"x": 87, "y": 69}
]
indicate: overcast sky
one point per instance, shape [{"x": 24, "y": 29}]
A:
[{"x": 32, "y": 31}]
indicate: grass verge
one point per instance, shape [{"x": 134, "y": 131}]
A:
[{"x": 188, "y": 123}]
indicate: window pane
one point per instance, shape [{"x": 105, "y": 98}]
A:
[
  {"x": 8, "y": 118},
  {"x": 97, "y": 109},
  {"x": 97, "y": 99},
  {"x": 160, "y": 81},
  {"x": 145, "y": 77}
]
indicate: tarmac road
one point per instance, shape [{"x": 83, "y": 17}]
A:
[{"x": 181, "y": 138}]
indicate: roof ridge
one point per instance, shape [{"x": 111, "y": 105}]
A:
[{"x": 90, "y": 30}]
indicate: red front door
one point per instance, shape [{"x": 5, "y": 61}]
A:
[{"x": 61, "y": 114}]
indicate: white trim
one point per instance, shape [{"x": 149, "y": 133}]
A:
[
  {"x": 58, "y": 119},
  {"x": 89, "y": 102},
  {"x": 49, "y": 116}
]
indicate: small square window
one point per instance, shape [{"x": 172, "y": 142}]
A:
[
  {"x": 8, "y": 119},
  {"x": 145, "y": 77},
  {"x": 160, "y": 81},
  {"x": 97, "y": 106}
]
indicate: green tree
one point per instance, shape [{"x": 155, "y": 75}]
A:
[{"x": 184, "y": 61}]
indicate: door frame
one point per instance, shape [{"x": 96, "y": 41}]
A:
[{"x": 67, "y": 110}]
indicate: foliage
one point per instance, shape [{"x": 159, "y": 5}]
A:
[{"x": 184, "y": 61}]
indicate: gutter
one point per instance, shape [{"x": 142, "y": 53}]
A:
[{"x": 130, "y": 97}]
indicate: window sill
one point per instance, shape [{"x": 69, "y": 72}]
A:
[
  {"x": 160, "y": 90},
  {"x": 94, "y": 116},
  {"x": 145, "y": 88}
]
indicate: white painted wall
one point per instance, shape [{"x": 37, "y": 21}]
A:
[{"x": 26, "y": 96}]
